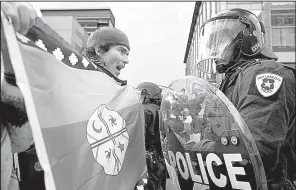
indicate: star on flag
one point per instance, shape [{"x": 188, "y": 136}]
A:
[{"x": 121, "y": 147}]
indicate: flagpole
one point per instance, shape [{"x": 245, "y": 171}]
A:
[{"x": 20, "y": 73}]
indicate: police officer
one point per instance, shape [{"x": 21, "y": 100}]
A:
[
  {"x": 151, "y": 98},
  {"x": 262, "y": 90}
]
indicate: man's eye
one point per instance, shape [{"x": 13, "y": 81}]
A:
[{"x": 123, "y": 51}]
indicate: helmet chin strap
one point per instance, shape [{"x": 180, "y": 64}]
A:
[
  {"x": 224, "y": 68},
  {"x": 152, "y": 100},
  {"x": 221, "y": 68}
]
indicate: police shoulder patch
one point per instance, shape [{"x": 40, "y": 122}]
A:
[{"x": 268, "y": 84}]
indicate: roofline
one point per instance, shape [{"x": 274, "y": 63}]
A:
[
  {"x": 79, "y": 9},
  {"x": 75, "y": 9},
  {"x": 193, "y": 23}
]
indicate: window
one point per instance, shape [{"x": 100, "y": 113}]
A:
[
  {"x": 291, "y": 20},
  {"x": 279, "y": 21},
  {"x": 102, "y": 25},
  {"x": 207, "y": 66},
  {"x": 204, "y": 13},
  {"x": 282, "y": 20},
  {"x": 103, "y": 21},
  {"x": 197, "y": 71},
  {"x": 231, "y": 5},
  {"x": 88, "y": 24},
  {"x": 86, "y": 20},
  {"x": 201, "y": 16},
  {"x": 196, "y": 41},
  {"x": 188, "y": 61},
  {"x": 212, "y": 78},
  {"x": 208, "y": 10},
  {"x": 191, "y": 55},
  {"x": 213, "y": 8},
  {"x": 203, "y": 66},
  {"x": 283, "y": 37},
  {"x": 198, "y": 29},
  {"x": 288, "y": 36},
  {"x": 194, "y": 47},
  {"x": 276, "y": 37},
  {"x": 222, "y": 6},
  {"x": 204, "y": 76},
  {"x": 199, "y": 25},
  {"x": 283, "y": 5},
  {"x": 89, "y": 29}
]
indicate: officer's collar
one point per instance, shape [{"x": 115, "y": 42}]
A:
[
  {"x": 236, "y": 67},
  {"x": 240, "y": 65},
  {"x": 232, "y": 73}
]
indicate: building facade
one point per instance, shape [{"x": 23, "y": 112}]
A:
[
  {"x": 39, "y": 23},
  {"x": 279, "y": 22},
  {"x": 75, "y": 25}
]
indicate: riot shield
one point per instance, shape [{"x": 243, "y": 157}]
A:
[{"x": 205, "y": 141}]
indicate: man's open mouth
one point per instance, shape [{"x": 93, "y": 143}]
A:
[{"x": 118, "y": 68}]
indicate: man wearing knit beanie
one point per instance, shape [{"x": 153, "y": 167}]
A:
[
  {"x": 108, "y": 47},
  {"x": 108, "y": 36}
]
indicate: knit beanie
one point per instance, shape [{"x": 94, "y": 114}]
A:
[{"x": 108, "y": 36}]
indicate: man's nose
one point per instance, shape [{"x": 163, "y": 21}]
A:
[{"x": 125, "y": 59}]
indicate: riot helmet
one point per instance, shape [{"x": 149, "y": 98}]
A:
[
  {"x": 230, "y": 35},
  {"x": 149, "y": 93}
]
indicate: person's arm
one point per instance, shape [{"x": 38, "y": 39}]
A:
[
  {"x": 266, "y": 117},
  {"x": 14, "y": 117},
  {"x": 13, "y": 112}
]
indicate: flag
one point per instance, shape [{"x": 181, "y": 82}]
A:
[{"x": 88, "y": 130}]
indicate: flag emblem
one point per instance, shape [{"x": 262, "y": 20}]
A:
[
  {"x": 268, "y": 84},
  {"x": 108, "y": 138}
]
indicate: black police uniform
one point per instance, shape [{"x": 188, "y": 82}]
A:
[
  {"x": 271, "y": 119},
  {"x": 154, "y": 156}
]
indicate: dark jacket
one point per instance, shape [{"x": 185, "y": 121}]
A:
[
  {"x": 154, "y": 156},
  {"x": 267, "y": 105}
]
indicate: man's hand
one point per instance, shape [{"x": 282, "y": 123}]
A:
[{"x": 22, "y": 15}]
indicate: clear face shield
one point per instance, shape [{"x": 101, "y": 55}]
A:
[{"x": 220, "y": 41}]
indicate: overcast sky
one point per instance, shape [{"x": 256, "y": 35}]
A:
[{"x": 158, "y": 34}]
